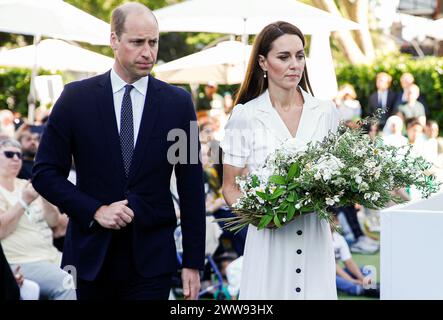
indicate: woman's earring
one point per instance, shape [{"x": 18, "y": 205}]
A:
[{"x": 264, "y": 74}]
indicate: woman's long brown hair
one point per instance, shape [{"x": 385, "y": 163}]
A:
[{"x": 254, "y": 84}]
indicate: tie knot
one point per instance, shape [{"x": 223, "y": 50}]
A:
[{"x": 128, "y": 88}]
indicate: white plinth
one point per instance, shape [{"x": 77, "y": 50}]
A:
[{"x": 411, "y": 250}]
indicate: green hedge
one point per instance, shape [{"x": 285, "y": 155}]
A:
[
  {"x": 428, "y": 73},
  {"x": 14, "y": 88}
]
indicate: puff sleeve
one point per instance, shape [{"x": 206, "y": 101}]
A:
[{"x": 237, "y": 140}]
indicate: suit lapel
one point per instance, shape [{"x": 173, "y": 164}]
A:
[
  {"x": 149, "y": 117},
  {"x": 109, "y": 123}
]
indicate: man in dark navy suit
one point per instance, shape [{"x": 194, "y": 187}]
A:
[
  {"x": 383, "y": 98},
  {"x": 115, "y": 126}
]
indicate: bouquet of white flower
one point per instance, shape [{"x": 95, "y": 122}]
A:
[{"x": 347, "y": 167}]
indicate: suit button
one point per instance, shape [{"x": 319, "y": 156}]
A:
[
  {"x": 299, "y": 251},
  {"x": 297, "y": 289},
  {"x": 299, "y": 232},
  {"x": 298, "y": 270}
]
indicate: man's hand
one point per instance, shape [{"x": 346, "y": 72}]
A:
[
  {"x": 115, "y": 216},
  {"x": 191, "y": 283}
]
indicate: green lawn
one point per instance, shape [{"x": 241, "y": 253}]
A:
[{"x": 363, "y": 260}]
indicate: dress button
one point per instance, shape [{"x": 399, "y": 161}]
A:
[
  {"x": 299, "y": 232},
  {"x": 298, "y": 270},
  {"x": 297, "y": 289},
  {"x": 299, "y": 251}
]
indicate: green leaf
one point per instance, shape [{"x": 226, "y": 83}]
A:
[
  {"x": 295, "y": 195},
  {"x": 307, "y": 209},
  {"x": 294, "y": 171},
  {"x": 277, "y": 193},
  {"x": 264, "y": 221},
  {"x": 292, "y": 186},
  {"x": 290, "y": 198},
  {"x": 283, "y": 206},
  {"x": 291, "y": 212},
  {"x": 263, "y": 195},
  {"x": 354, "y": 187},
  {"x": 255, "y": 182},
  {"x": 277, "y": 221},
  {"x": 277, "y": 179}
]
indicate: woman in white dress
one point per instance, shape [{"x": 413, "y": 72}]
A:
[{"x": 273, "y": 105}]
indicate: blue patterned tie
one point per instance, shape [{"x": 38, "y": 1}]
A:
[{"x": 127, "y": 129}]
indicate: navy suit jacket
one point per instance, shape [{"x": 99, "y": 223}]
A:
[
  {"x": 83, "y": 127},
  {"x": 373, "y": 105}
]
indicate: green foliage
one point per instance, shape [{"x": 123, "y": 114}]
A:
[
  {"x": 14, "y": 88},
  {"x": 428, "y": 73}
]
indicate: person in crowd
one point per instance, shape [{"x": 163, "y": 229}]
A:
[
  {"x": 9, "y": 284},
  {"x": 210, "y": 99},
  {"x": 406, "y": 80},
  {"x": 29, "y": 141},
  {"x": 18, "y": 120},
  {"x": 431, "y": 132},
  {"x": 351, "y": 279},
  {"x": 215, "y": 203},
  {"x": 7, "y": 125},
  {"x": 25, "y": 228},
  {"x": 383, "y": 98},
  {"x": 120, "y": 236},
  {"x": 348, "y": 106},
  {"x": 421, "y": 146},
  {"x": 412, "y": 108},
  {"x": 361, "y": 243},
  {"x": 392, "y": 132},
  {"x": 433, "y": 138}
]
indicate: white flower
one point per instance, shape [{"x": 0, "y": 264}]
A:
[
  {"x": 367, "y": 196},
  {"x": 317, "y": 176},
  {"x": 298, "y": 206},
  {"x": 377, "y": 172},
  {"x": 360, "y": 152},
  {"x": 330, "y": 202},
  {"x": 336, "y": 199},
  {"x": 358, "y": 179},
  {"x": 363, "y": 186},
  {"x": 326, "y": 175},
  {"x": 375, "y": 196},
  {"x": 283, "y": 220},
  {"x": 370, "y": 164}
]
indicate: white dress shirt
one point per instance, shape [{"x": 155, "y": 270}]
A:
[
  {"x": 138, "y": 95},
  {"x": 382, "y": 98}
]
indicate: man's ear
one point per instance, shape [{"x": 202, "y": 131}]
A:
[
  {"x": 114, "y": 40},
  {"x": 262, "y": 62}
]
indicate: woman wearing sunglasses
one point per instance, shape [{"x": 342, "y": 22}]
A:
[{"x": 25, "y": 228}]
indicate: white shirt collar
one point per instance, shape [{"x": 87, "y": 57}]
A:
[{"x": 141, "y": 85}]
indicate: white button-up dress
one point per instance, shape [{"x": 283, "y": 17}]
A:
[{"x": 296, "y": 261}]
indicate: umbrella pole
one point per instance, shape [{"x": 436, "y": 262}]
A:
[{"x": 32, "y": 97}]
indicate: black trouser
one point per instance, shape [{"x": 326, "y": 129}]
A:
[
  {"x": 351, "y": 217},
  {"x": 119, "y": 278}
]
